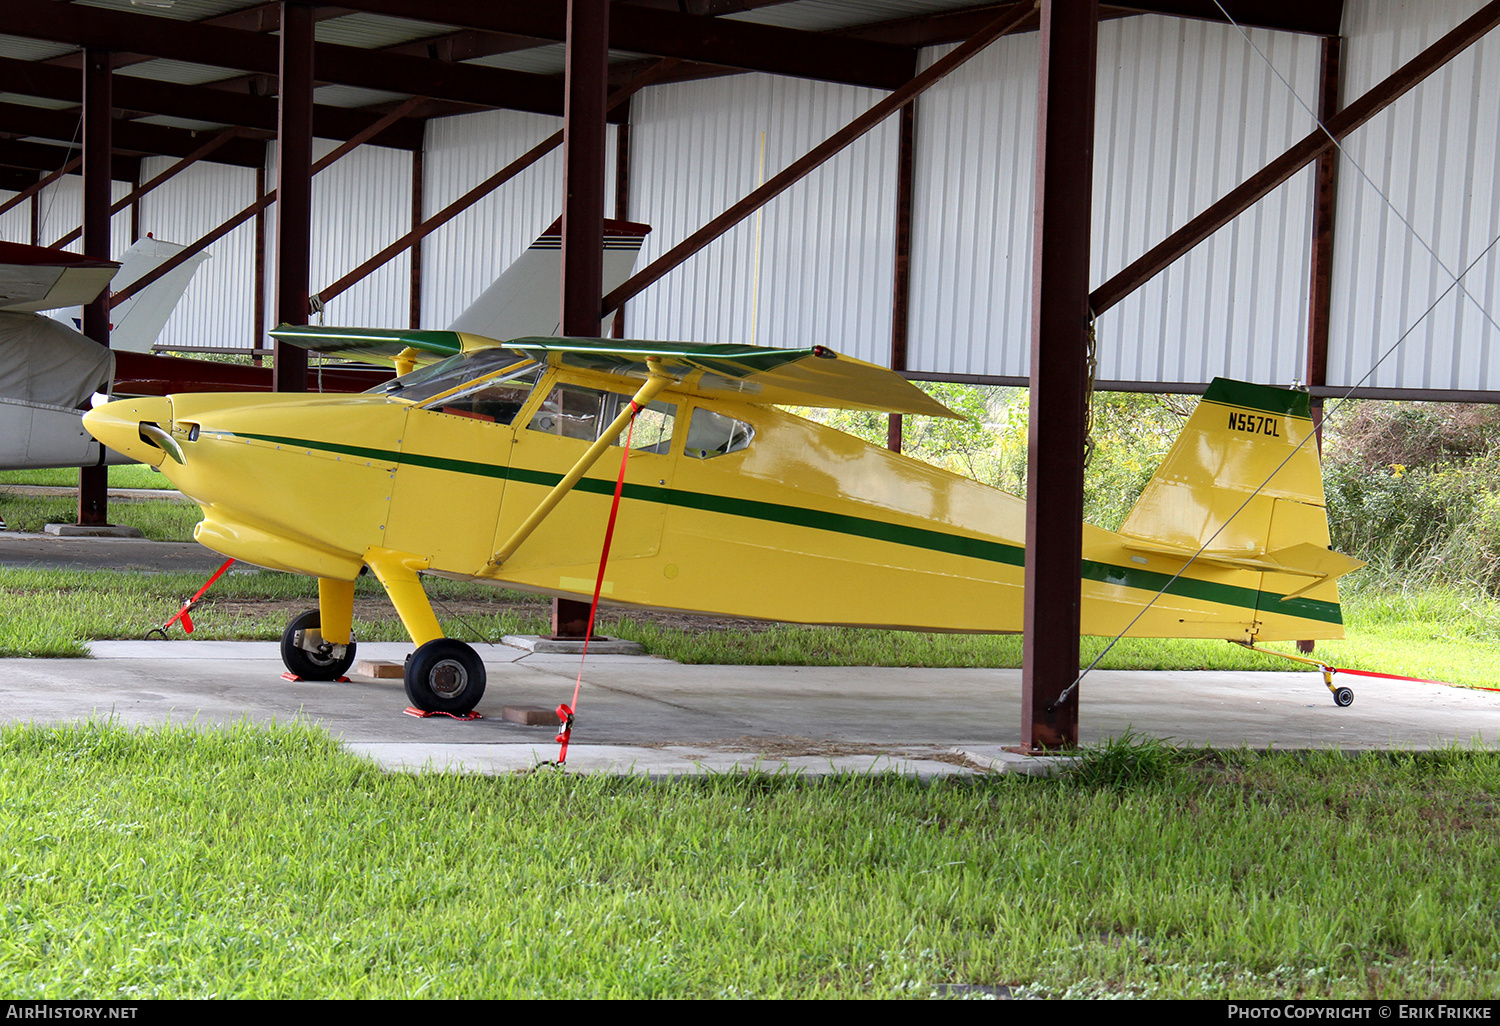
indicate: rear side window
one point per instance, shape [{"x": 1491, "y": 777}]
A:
[
  {"x": 573, "y": 411},
  {"x": 713, "y": 434}
]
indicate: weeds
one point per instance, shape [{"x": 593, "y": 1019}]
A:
[{"x": 1127, "y": 762}]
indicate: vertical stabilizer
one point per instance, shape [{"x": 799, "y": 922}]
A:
[
  {"x": 1247, "y": 446},
  {"x": 526, "y": 299},
  {"x": 136, "y": 323}
]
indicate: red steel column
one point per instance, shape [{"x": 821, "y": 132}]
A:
[
  {"x": 258, "y": 337},
  {"x": 418, "y": 176},
  {"x": 1059, "y": 371},
  {"x": 293, "y": 190},
  {"x": 98, "y": 113},
  {"x": 1320, "y": 294},
  {"x": 584, "y": 108},
  {"x": 622, "y": 200},
  {"x": 1325, "y": 193},
  {"x": 901, "y": 286}
]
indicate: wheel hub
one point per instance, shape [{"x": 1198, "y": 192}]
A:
[{"x": 449, "y": 678}]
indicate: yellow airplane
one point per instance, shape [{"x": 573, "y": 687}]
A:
[{"x": 483, "y": 460}]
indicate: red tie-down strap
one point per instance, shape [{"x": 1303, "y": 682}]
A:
[
  {"x": 565, "y": 712},
  {"x": 184, "y": 614},
  {"x": 1397, "y": 676}
]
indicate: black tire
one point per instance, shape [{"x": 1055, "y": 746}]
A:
[
  {"x": 310, "y": 665},
  {"x": 1343, "y": 697},
  {"x": 445, "y": 676}
]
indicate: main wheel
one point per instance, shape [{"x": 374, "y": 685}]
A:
[
  {"x": 1343, "y": 697},
  {"x": 326, "y": 662},
  {"x": 445, "y": 676}
]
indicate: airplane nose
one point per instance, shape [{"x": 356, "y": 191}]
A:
[{"x": 138, "y": 428}]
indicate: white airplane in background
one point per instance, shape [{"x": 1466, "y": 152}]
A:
[{"x": 49, "y": 371}]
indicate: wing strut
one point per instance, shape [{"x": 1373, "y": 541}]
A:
[{"x": 648, "y": 391}]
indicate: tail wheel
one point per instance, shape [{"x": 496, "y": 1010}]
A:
[
  {"x": 445, "y": 676},
  {"x": 1343, "y": 697},
  {"x": 321, "y": 661}
]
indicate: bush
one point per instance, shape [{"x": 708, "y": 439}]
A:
[{"x": 1414, "y": 489}]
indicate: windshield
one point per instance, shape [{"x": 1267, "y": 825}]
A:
[{"x": 454, "y": 372}]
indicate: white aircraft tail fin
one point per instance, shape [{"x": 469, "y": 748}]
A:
[
  {"x": 136, "y": 323},
  {"x": 524, "y": 300}
]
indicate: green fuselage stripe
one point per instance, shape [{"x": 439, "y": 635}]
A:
[{"x": 842, "y": 523}]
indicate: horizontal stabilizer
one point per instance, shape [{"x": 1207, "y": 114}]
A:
[{"x": 1304, "y": 560}]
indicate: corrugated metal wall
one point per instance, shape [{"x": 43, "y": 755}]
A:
[
  {"x": 1186, "y": 110},
  {"x": 1435, "y": 155},
  {"x": 219, "y": 305},
  {"x": 15, "y": 223},
  {"x": 62, "y": 211},
  {"x": 972, "y": 213},
  {"x": 815, "y": 266},
  {"x": 361, "y": 204},
  {"x": 460, "y": 259}
]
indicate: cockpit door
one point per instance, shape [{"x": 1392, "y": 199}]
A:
[
  {"x": 448, "y": 490},
  {"x": 559, "y": 430}
]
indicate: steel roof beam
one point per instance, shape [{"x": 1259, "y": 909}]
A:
[
  {"x": 200, "y": 103},
  {"x": 616, "y": 103},
  {"x": 1313, "y": 17},
  {"x": 21, "y": 120},
  {"x": 201, "y": 153},
  {"x": 743, "y": 45},
  {"x": 266, "y": 199},
  {"x": 1317, "y": 17},
  {"x": 57, "y": 160},
  {"x": 201, "y": 43}
]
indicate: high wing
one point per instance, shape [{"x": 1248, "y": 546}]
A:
[
  {"x": 371, "y": 344},
  {"x": 33, "y": 278},
  {"x": 816, "y": 376}
]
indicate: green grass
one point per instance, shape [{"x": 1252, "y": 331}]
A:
[
  {"x": 157, "y": 519},
  {"x": 52, "y": 613},
  {"x": 1435, "y": 634},
  {"x": 129, "y": 475},
  {"x": 171, "y": 863}
]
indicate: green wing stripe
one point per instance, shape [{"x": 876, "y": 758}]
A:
[{"x": 840, "y": 523}]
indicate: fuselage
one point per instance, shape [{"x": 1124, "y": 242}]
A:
[{"x": 727, "y": 508}]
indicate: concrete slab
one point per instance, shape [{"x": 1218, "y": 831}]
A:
[
  {"x": 571, "y": 646},
  {"x": 658, "y": 718},
  {"x": 45, "y": 550},
  {"x": 91, "y": 531}
]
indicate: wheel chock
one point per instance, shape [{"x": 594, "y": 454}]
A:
[{"x": 424, "y": 714}]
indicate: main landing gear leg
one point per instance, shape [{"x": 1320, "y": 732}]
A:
[
  {"x": 443, "y": 674},
  {"x": 319, "y": 645}
]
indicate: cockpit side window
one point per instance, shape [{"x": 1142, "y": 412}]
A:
[
  {"x": 573, "y": 411},
  {"x": 713, "y": 434},
  {"x": 496, "y": 399},
  {"x": 447, "y": 377}
]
